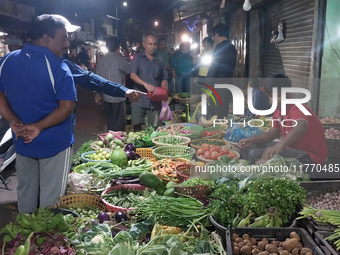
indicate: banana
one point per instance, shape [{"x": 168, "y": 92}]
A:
[
  {"x": 260, "y": 222},
  {"x": 236, "y": 221},
  {"x": 271, "y": 223},
  {"x": 245, "y": 222}
]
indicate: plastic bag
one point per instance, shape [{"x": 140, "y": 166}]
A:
[
  {"x": 165, "y": 114},
  {"x": 250, "y": 132}
]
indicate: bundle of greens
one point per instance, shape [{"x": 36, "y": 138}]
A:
[
  {"x": 256, "y": 197},
  {"x": 86, "y": 147}
]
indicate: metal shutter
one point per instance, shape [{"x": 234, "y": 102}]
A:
[{"x": 292, "y": 56}]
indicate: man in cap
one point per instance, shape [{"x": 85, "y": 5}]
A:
[{"x": 14, "y": 43}]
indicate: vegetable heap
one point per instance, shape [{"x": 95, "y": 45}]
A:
[{"x": 256, "y": 197}]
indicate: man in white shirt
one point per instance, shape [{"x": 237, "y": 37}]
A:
[{"x": 113, "y": 67}]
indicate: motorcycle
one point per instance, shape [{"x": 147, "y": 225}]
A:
[{"x": 7, "y": 149}]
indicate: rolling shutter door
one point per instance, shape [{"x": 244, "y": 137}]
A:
[{"x": 292, "y": 56}]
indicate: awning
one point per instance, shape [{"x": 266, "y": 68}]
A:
[{"x": 191, "y": 9}]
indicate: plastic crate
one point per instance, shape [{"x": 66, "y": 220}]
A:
[
  {"x": 314, "y": 189},
  {"x": 222, "y": 231},
  {"x": 333, "y": 149},
  {"x": 325, "y": 246},
  {"x": 273, "y": 234}
]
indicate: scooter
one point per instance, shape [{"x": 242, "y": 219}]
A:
[{"x": 7, "y": 149}]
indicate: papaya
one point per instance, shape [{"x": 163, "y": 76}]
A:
[
  {"x": 170, "y": 184},
  {"x": 169, "y": 192},
  {"x": 149, "y": 179},
  {"x": 160, "y": 189}
]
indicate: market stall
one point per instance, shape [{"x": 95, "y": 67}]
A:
[{"x": 150, "y": 192}]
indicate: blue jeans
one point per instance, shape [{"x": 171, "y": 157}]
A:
[{"x": 183, "y": 82}]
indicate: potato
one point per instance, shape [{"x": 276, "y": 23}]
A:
[
  {"x": 252, "y": 240},
  {"x": 304, "y": 251},
  {"x": 234, "y": 237},
  {"x": 291, "y": 244},
  {"x": 246, "y": 241},
  {"x": 254, "y": 247},
  {"x": 261, "y": 246},
  {"x": 280, "y": 249},
  {"x": 309, "y": 253},
  {"x": 236, "y": 250},
  {"x": 265, "y": 241},
  {"x": 241, "y": 244},
  {"x": 283, "y": 252},
  {"x": 276, "y": 243},
  {"x": 255, "y": 251},
  {"x": 245, "y": 250},
  {"x": 273, "y": 254},
  {"x": 271, "y": 248},
  {"x": 296, "y": 251},
  {"x": 263, "y": 253},
  {"x": 245, "y": 236},
  {"x": 238, "y": 240}
]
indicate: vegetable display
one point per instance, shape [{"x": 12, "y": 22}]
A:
[
  {"x": 330, "y": 120},
  {"x": 170, "y": 211},
  {"x": 198, "y": 181},
  {"x": 122, "y": 197},
  {"x": 99, "y": 155},
  {"x": 170, "y": 140},
  {"x": 207, "y": 133},
  {"x": 246, "y": 245},
  {"x": 171, "y": 129},
  {"x": 85, "y": 147},
  {"x": 332, "y": 133},
  {"x": 328, "y": 201},
  {"x": 213, "y": 152},
  {"x": 165, "y": 168},
  {"x": 230, "y": 204}
]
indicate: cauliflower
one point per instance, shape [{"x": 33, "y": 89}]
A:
[{"x": 97, "y": 239}]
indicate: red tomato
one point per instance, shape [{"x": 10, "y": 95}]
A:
[
  {"x": 207, "y": 155},
  {"x": 205, "y": 146},
  {"x": 225, "y": 150},
  {"x": 211, "y": 146},
  {"x": 232, "y": 155},
  {"x": 214, "y": 155},
  {"x": 200, "y": 152}
]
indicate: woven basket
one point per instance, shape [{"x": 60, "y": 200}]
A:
[
  {"x": 112, "y": 208},
  {"x": 193, "y": 191},
  {"x": 85, "y": 160},
  {"x": 185, "y": 171},
  {"x": 214, "y": 129},
  {"x": 146, "y": 153},
  {"x": 210, "y": 160},
  {"x": 208, "y": 141},
  {"x": 232, "y": 146},
  {"x": 80, "y": 201},
  {"x": 198, "y": 132},
  {"x": 168, "y": 152},
  {"x": 185, "y": 143},
  {"x": 183, "y": 101}
]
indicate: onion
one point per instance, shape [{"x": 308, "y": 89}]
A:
[
  {"x": 130, "y": 147},
  {"x": 103, "y": 217},
  {"x": 94, "y": 222},
  {"x": 120, "y": 217},
  {"x": 131, "y": 155}
]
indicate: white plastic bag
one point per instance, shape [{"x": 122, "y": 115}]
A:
[{"x": 165, "y": 114}]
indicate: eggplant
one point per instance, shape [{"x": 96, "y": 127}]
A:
[
  {"x": 114, "y": 182},
  {"x": 120, "y": 217}
]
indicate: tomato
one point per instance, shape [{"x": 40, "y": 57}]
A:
[
  {"x": 232, "y": 155},
  {"x": 225, "y": 150},
  {"x": 207, "y": 155},
  {"x": 205, "y": 146},
  {"x": 218, "y": 148},
  {"x": 200, "y": 152},
  {"x": 214, "y": 155},
  {"x": 211, "y": 146}
]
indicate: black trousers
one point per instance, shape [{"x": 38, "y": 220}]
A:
[{"x": 115, "y": 116}]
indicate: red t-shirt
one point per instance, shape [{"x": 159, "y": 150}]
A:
[{"x": 313, "y": 141}]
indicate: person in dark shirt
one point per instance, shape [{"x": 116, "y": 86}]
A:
[
  {"x": 147, "y": 71},
  {"x": 84, "y": 58},
  {"x": 222, "y": 66}
]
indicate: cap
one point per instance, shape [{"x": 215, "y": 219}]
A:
[
  {"x": 15, "y": 41},
  {"x": 69, "y": 27}
]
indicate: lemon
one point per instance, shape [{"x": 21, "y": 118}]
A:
[
  {"x": 107, "y": 156},
  {"x": 104, "y": 152}
]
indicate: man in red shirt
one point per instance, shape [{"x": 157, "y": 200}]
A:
[{"x": 305, "y": 142}]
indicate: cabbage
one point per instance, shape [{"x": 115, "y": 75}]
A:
[{"x": 118, "y": 157}]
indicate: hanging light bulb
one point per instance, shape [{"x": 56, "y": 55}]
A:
[{"x": 247, "y": 5}]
